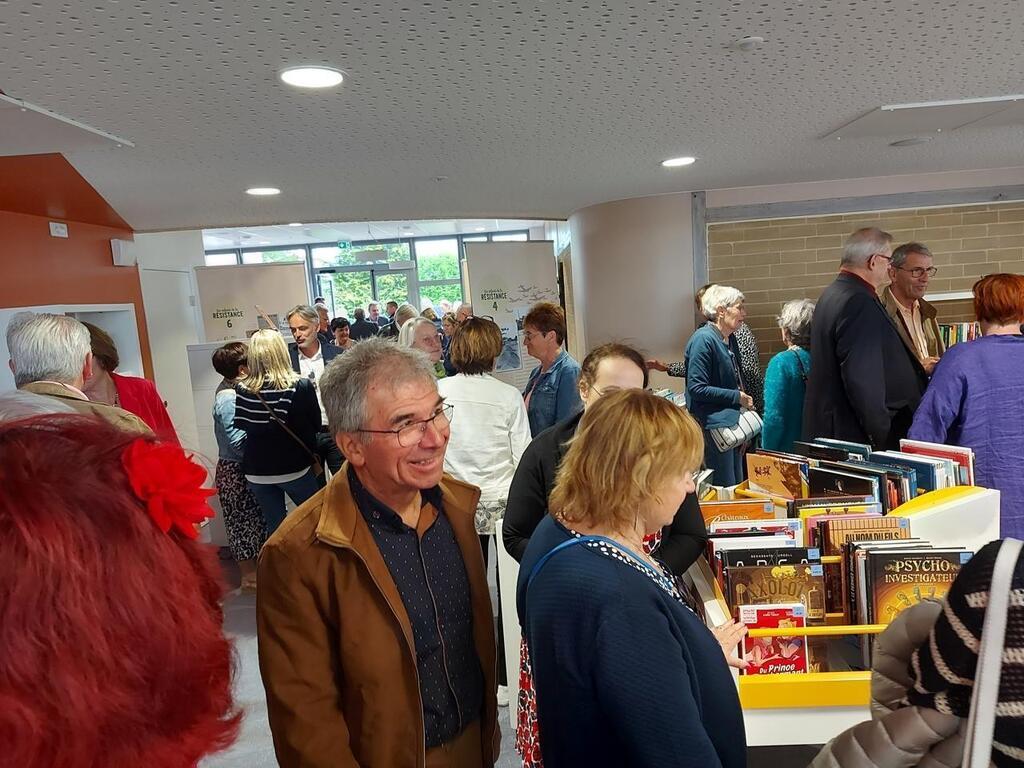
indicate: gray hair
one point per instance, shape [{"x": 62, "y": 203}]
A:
[
  {"x": 718, "y": 296},
  {"x": 46, "y": 347},
  {"x": 346, "y": 381},
  {"x": 405, "y": 313},
  {"x": 304, "y": 311},
  {"x": 22, "y": 405},
  {"x": 863, "y": 244},
  {"x": 795, "y": 320},
  {"x": 407, "y": 335},
  {"x": 899, "y": 255}
]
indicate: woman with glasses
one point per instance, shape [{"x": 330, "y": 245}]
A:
[
  {"x": 976, "y": 397},
  {"x": 910, "y": 269},
  {"x": 489, "y": 437},
  {"x": 421, "y": 333},
  {"x": 626, "y": 674},
  {"x": 550, "y": 394},
  {"x": 279, "y": 412}
]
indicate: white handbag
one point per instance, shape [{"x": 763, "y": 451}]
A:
[
  {"x": 981, "y": 721},
  {"x": 746, "y": 429}
]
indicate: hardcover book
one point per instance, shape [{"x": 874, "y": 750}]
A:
[
  {"x": 837, "y": 532},
  {"x": 900, "y": 578},
  {"x": 777, "y": 475},
  {"x": 774, "y": 655},
  {"x": 745, "y": 509},
  {"x": 832, "y": 482},
  {"x": 791, "y": 528},
  {"x": 763, "y": 585},
  {"x": 739, "y": 558},
  {"x": 962, "y": 457}
]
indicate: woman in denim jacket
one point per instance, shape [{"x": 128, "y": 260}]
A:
[{"x": 551, "y": 394}]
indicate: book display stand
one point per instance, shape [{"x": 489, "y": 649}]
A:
[{"x": 811, "y": 708}]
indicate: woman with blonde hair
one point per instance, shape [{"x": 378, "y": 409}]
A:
[
  {"x": 625, "y": 672},
  {"x": 280, "y": 415}
]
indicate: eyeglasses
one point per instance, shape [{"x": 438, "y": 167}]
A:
[
  {"x": 412, "y": 433},
  {"x": 882, "y": 256},
  {"x": 918, "y": 272},
  {"x": 527, "y": 335}
]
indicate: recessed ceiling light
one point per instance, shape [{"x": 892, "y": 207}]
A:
[
  {"x": 264, "y": 242},
  {"x": 295, "y": 224},
  {"x": 676, "y": 162},
  {"x": 479, "y": 229},
  {"x": 312, "y": 76},
  {"x": 262, "y": 191},
  {"x": 749, "y": 43}
]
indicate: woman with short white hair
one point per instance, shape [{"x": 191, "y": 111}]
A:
[
  {"x": 421, "y": 333},
  {"x": 715, "y": 392},
  {"x": 785, "y": 382}
]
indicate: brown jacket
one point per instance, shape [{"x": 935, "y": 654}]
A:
[
  {"x": 119, "y": 417},
  {"x": 335, "y": 643},
  {"x": 898, "y": 737},
  {"x": 928, "y": 322}
]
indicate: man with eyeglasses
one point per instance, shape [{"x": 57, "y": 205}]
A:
[
  {"x": 864, "y": 384},
  {"x": 376, "y": 635},
  {"x": 910, "y": 270}
]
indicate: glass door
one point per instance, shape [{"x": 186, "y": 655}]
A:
[
  {"x": 393, "y": 285},
  {"x": 346, "y": 288}
]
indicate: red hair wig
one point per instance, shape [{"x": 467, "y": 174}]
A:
[
  {"x": 999, "y": 299},
  {"x": 114, "y": 653}
]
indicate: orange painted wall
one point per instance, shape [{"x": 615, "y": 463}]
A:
[{"x": 36, "y": 268}]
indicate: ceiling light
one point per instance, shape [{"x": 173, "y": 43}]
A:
[
  {"x": 677, "y": 162},
  {"x": 479, "y": 229},
  {"x": 295, "y": 224},
  {"x": 312, "y": 76},
  {"x": 749, "y": 43},
  {"x": 262, "y": 191}
]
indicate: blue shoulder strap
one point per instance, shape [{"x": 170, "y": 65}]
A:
[{"x": 564, "y": 545}]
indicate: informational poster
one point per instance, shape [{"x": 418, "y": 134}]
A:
[
  {"x": 229, "y": 297},
  {"x": 504, "y": 280}
]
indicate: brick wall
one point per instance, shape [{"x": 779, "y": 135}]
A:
[{"x": 776, "y": 260}]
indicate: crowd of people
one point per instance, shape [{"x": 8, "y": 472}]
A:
[{"x": 401, "y": 451}]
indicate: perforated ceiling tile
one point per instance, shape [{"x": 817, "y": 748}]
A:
[{"x": 528, "y": 108}]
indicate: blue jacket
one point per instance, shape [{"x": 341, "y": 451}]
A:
[
  {"x": 556, "y": 395},
  {"x": 625, "y": 674},
  {"x": 785, "y": 385},
  {"x": 712, "y": 387}
]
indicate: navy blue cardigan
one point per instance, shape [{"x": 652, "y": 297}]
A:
[
  {"x": 712, "y": 388},
  {"x": 625, "y": 674}
]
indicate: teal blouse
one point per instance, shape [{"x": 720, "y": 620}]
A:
[{"x": 784, "y": 389}]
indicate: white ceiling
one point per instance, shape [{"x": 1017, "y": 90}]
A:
[
  {"x": 251, "y": 237},
  {"x": 530, "y": 108}
]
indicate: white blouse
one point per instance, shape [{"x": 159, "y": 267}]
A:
[{"x": 489, "y": 432}]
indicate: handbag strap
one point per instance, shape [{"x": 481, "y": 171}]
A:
[
  {"x": 286, "y": 428},
  {"x": 981, "y": 721}
]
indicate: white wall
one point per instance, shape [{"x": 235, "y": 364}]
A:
[
  {"x": 632, "y": 263},
  {"x": 879, "y": 185},
  {"x": 166, "y": 261}
]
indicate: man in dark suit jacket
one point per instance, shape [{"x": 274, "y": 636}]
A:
[
  {"x": 362, "y": 328},
  {"x": 310, "y": 355},
  {"x": 864, "y": 385}
]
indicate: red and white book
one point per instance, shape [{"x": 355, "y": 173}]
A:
[
  {"x": 963, "y": 457},
  {"x": 774, "y": 655}
]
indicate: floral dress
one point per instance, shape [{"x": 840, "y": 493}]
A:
[{"x": 527, "y": 730}]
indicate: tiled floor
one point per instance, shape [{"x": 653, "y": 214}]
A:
[{"x": 254, "y": 748}]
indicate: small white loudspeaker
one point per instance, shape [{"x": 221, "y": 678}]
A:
[{"x": 123, "y": 252}]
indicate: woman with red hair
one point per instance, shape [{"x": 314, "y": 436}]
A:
[
  {"x": 976, "y": 397},
  {"x": 110, "y": 618}
]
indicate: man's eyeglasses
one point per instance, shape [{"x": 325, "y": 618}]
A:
[
  {"x": 918, "y": 272},
  {"x": 410, "y": 434},
  {"x": 883, "y": 256}
]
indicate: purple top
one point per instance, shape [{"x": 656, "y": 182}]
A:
[{"x": 976, "y": 400}]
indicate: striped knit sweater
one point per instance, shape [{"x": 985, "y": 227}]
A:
[
  {"x": 269, "y": 449},
  {"x": 944, "y": 667}
]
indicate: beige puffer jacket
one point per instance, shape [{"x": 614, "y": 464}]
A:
[{"x": 898, "y": 737}]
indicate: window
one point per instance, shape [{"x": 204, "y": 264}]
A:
[
  {"x": 519, "y": 237},
  {"x": 333, "y": 256},
  {"x": 437, "y": 260},
  {"x": 222, "y": 259},
  {"x": 475, "y": 239},
  {"x": 274, "y": 257}
]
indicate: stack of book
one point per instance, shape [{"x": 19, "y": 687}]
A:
[{"x": 954, "y": 333}]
